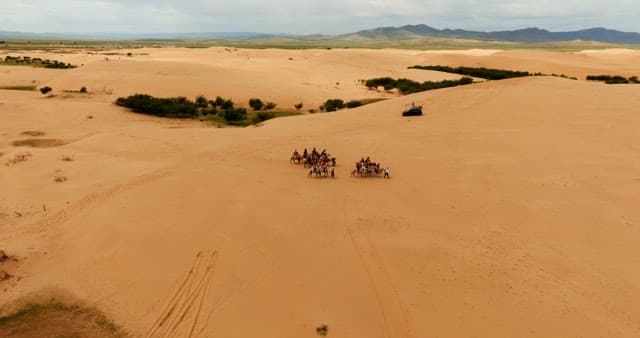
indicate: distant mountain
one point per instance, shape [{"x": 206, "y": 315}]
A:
[
  {"x": 377, "y": 35},
  {"x": 522, "y": 35}
]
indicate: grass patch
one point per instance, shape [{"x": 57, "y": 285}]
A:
[
  {"x": 25, "y": 88},
  {"x": 39, "y": 143},
  {"x": 406, "y": 86},
  {"x": 55, "y": 319},
  {"x": 479, "y": 72}
]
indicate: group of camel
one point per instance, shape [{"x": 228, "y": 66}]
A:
[{"x": 319, "y": 164}]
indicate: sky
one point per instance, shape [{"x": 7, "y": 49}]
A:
[{"x": 310, "y": 16}]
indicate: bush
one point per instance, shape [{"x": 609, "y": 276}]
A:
[
  {"x": 201, "y": 102},
  {"x": 263, "y": 116},
  {"x": 234, "y": 115},
  {"x": 226, "y": 104},
  {"x": 178, "y": 107},
  {"x": 45, "y": 90},
  {"x": 218, "y": 102},
  {"x": 353, "y": 104},
  {"x": 481, "y": 72},
  {"x": 332, "y": 105},
  {"x": 83, "y": 90},
  {"x": 256, "y": 104},
  {"x": 298, "y": 106},
  {"x": 407, "y": 86},
  {"x": 609, "y": 79},
  {"x": 270, "y": 105}
]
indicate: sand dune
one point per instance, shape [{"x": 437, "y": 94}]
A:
[{"x": 511, "y": 212}]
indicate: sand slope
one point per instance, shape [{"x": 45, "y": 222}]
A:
[{"x": 512, "y": 210}]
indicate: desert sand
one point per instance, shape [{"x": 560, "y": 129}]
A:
[{"x": 512, "y": 210}]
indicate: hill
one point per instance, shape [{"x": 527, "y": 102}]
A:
[{"x": 527, "y": 35}]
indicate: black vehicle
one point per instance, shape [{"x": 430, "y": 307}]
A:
[{"x": 413, "y": 111}]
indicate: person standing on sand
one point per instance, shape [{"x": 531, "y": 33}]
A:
[{"x": 387, "y": 173}]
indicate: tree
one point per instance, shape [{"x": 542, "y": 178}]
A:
[
  {"x": 201, "y": 102},
  {"x": 218, "y": 102},
  {"x": 256, "y": 103},
  {"x": 270, "y": 105},
  {"x": 83, "y": 90},
  {"x": 298, "y": 106},
  {"x": 45, "y": 90},
  {"x": 226, "y": 105}
]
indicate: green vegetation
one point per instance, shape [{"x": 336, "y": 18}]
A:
[
  {"x": 332, "y": 105},
  {"x": 45, "y": 90},
  {"x": 34, "y": 62},
  {"x": 220, "y": 110},
  {"x": 337, "y": 104},
  {"x": 613, "y": 79},
  {"x": 256, "y": 104},
  {"x": 177, "y": 107},
  {"x": 481, "y": 72},
  {"x": 299, "y": 105},
  {"x": 406, "y": 86},
  {"x": 56, "y": 319},
  {"x": 25, "y": 88},
  {"x": 39, "y": 143}
]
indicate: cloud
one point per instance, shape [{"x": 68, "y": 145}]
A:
[{"x": 311, "y": 16}]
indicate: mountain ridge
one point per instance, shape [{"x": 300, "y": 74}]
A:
[
  {"x": 406, "y": 32},
  {"x": 527, "y": 35}
]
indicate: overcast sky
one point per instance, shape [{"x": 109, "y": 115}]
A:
[{"x": 310, "y": 16}]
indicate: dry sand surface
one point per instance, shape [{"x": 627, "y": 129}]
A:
[{"x": 512, "y": 210}]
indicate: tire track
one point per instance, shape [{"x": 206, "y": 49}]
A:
[
  {"x": 372, "y": 264},
  {"x": 181, "y": 315},
  {"x": 372, "y": 284}
]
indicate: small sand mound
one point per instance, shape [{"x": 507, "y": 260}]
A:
[
  {"x": 4, "y": 275},
  {"x": 55, "y": 313},
  {"x": 39, "y": 143},
  {"x": 33, "y": 133}
]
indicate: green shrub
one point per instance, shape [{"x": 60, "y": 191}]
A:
[
  {"x": 353, "y": 104},
  {"x": 201, "y": 102},
  {"x": 270, "y": 105},
  {"x": 481, "y": 72},
  {"x": 612, "y": 79},
  {"x": 227, "y": 105},
  {"x": 263, "y": 116},
  {"x": 218, "y": 102},
  {"x": 332, "y": 105},
  {"x": 178, "y": 107},
  {"x": 45, "y": 90},
  {"x": 234, "y": 115},
  {"x": 407, "y": 86},
  {"x": 298, "y": 106},
  {"x": 83, "y": 90},
  {"x": 256, "y": 103}
]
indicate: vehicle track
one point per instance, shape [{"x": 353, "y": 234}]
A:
[{"x": 181, "y": 316}]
